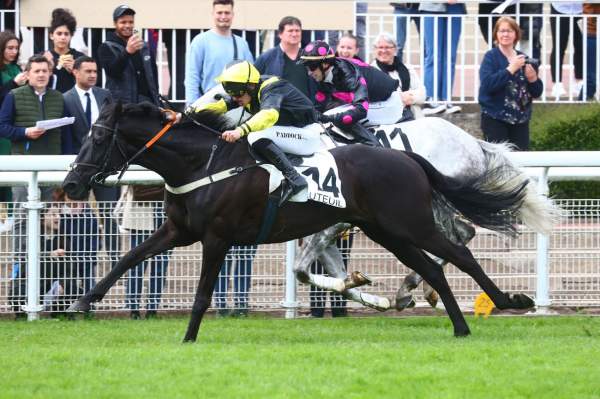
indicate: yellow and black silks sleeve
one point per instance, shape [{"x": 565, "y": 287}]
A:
[
  {"x": 263, "y": 119},
  {"x": 219, "y": 107}
]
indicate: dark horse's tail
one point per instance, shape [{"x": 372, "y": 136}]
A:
[{"x": 494, "y": 210}]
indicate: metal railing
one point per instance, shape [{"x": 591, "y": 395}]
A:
[{"x": 559, "y": 270}]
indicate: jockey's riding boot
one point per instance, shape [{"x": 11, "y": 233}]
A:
[
  {"x": 293, "y": 183},
  {"x": 364, "y": 136}
]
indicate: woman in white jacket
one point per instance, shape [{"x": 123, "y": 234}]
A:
[{"x": 411, "y": 86}]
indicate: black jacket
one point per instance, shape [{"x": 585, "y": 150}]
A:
[{"x": 128, "y": 75}]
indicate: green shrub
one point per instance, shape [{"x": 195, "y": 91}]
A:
[{"x": 573, "y": 127}]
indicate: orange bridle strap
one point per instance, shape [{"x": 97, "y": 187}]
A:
[{"x": 164, "y": 129}]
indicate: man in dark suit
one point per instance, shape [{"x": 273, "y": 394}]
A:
[{"x": 84, "y": 101}]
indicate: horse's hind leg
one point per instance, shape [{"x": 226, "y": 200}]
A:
[
  {"x": 461, "y": 233},
  {"x": 414, "y": 258},
  {"x": 461, "y": 257}
]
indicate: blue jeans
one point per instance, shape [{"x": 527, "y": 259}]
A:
[
  {"x": 158, "y": 270},
  {"x": 437, "y": 82},
  {"x": 242, "y": 255},
  {"x": 590, "y": 80},
  {"x": 403, "y": 25}
]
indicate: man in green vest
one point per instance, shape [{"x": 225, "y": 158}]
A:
[
  {"x": 28, "y": 104},
  {"x": 21, "y": 109}
]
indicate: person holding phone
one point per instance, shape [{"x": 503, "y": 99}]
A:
[{"x": 131, "y": 72}]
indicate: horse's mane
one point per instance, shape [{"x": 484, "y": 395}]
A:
[{"x": 211, "y": 119}]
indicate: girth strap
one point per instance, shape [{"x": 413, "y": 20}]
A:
[{"x": 205, "y": 181}]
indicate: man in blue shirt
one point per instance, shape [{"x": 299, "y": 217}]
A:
[{"x": 211, "y": 51}]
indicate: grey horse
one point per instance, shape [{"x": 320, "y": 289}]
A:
[{"x": 454, "y": 153}]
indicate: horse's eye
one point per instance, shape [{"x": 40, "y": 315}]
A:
[{"x": 99, "y": 137}]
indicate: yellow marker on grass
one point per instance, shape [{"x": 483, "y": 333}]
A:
[{"x": 483, "y": 305}]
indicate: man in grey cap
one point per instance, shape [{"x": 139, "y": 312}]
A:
[{"x": 130, "y": 67}]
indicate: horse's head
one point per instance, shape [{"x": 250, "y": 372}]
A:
[
  {"x": 97, "y": 155},
  {"x": 104, "y": 152}
]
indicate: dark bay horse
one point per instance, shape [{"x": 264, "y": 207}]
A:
[{"x": 388, "y": 193}]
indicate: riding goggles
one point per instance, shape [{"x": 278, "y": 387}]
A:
[
  {"x": 235, "y": 89},
  {"x": 312, "y": 66}
]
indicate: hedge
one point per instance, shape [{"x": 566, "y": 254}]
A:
[{"x": 573, "y": 127}]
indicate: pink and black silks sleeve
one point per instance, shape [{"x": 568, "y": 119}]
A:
[{"x": 350, "y": 87}]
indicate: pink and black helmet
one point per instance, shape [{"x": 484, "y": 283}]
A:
[{"x": 316, "y": 52}]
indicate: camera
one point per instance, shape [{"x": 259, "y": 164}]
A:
[{"x": 534, "y": 62}]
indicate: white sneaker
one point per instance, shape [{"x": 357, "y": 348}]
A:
[
  {"x": 433, "y": 108},
  {"x": 558, "y": 90},
  {"x": 452, "y": 109}
]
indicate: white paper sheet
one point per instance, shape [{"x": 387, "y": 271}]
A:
[{"x": 54, "y": 123}]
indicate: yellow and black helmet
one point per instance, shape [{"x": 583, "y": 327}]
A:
[
  {"x": 315, "y": 53},
  {"x": 239, "y": 78}
]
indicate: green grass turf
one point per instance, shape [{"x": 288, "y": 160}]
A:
[{"x": 415, "y": 357}]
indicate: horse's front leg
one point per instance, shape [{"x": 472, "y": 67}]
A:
[
  {"x": 214, "y": 250},
  {"x": 319, "y": 246},
  {"x": 161, "y": 240},
  {"x": 332, "y": 261}
]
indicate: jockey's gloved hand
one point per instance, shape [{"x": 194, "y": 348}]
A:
[
  {"x": 325, "y": 118},
  {"x": 189, "y": 110}
]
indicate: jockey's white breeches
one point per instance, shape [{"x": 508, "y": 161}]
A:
[
  {"x": 385, "y": 112},
  {"x": 293, "y": 140}
]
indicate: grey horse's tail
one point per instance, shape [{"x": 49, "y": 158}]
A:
[
  {"x": 537, "y": 211},
  {"x": 492, "y": 209}
]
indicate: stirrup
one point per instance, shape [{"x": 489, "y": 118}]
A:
[{"x": 288, "y": 190}]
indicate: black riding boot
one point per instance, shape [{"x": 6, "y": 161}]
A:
[
  {"x": 293, "y": 183},
  {"x": 364, "y": 136}
]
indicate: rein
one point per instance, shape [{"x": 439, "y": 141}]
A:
[
  {"x": 102, "y": 175},
  {"x": 149, "y": 144}
]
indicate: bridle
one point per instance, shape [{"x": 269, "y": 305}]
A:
[{"x": 99, "y": 178}]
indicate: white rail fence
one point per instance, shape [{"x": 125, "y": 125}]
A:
[{"x": 559, "y": 270}]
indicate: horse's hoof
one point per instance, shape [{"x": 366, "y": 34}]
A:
[
  {"x": 382, "y": 305},
  {"x": 522, "y": 301},
  {"x": 463, "y": 332},
  {"x": 432, "y": 297},
  {"x": 79, "y": 306},
  {"x": 356, "y": 279},
  {"x": 404, "y": 302}
]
